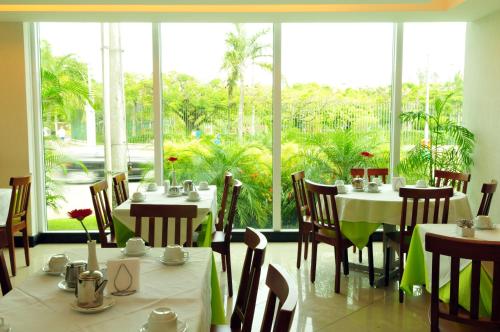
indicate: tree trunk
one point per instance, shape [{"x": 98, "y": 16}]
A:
[{"x": 240, "y": 108}]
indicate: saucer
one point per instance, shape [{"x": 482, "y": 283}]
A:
[
  {"x": 107, "y": 303},
  {"x": 199, "y": 188},
  {"x": 374, "y": 192},
  {"x": 181, "y": 326},
  {"x": 485, "y": 228},
  {"x": 357, "y": 190},
  {"x": 49, "y": 272},
  {"x": 174, "y": 262},
  {"x": 136, "y": 254},
  {"x": 151, "y": 190},
  {"x": 138, "y": 200},
  {"x": 174, "y": 195},
  {"x": 193, "y": 200},
  {"x": 64, "y": 286}
]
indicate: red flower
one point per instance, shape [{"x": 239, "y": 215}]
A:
[
  {"x": 366, "y": 154},
  {"x": 172, "y": 159},
  {"x": 80, "y": 214}
]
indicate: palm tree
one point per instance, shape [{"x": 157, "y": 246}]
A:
[{"x": 242, "y": 52}]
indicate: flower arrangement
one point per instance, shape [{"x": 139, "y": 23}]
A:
[
  {"x": 172, "y": 160},
  {"x": 80, "y": 214},
  {"x": 174, "y": 179},
  {"x": 465, "y": 223}
]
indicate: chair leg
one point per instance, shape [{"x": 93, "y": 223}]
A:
[
  {"x": 223, "y": 259},
  {"x": 386, "y": 265},
  {"x": 4, "y": 277},
  {"x": 345, "y": 262},
  {"x": 229, "y": 274},
  {"x": 360, "y": 256},
  {"x": 306, "y": 243},
  {"x": 401, "y": 267},
  {"x": 314, "y": 255},
  {"x": 299, "y": 247},
  {"x": 12, "y": 256},
  {"x": 338, "y": 260},
  {"x": 26, "y": 246},
  {"x": 371, "y": 272}
]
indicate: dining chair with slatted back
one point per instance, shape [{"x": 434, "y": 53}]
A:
[
  {"x": 102, "y": 211},
  {"x": 228, "y": 179},
  {"x": 400, "y": 241},
  {"x": 283, "y": 292},
  {"x": 120, "y": 188},
  {"x": 221, "y": 241},
  {"x": 378, "y": 172},
  {"x": 457, "y": 249},
  {"x": 303, "y": 214},
  {"x": 488, "y": 189},
  {"x": 176, "y": 212},
  {"x": 457, "y": 180},
  {"x": 326, "y": 229},
  {"x": 17, "y": 219},
  {"x": 4, "y": 275}
]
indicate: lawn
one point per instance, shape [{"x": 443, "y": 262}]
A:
[{"x": 68, "y": 224}]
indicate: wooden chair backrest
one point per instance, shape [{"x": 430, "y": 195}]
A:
[
  {"x": 4, "y": 275},
  {"x": 357, "y": 172},
  {"x": 488, "y": 190},
  {"x": 416, "y": 195},
  {"x": 233, "y": 209},
  {"x": 299, "y": 190},
  {"x": 283, "y": 291},
  {"x": 19, "y": 200},
  {"x": 372, "y": 172},
  {"x": 228, "y": 177},
  {"x": 459, "y": 181},
  {"x": 244, "y": 309},
  {"x": 321, "y": 199},
  {"x": 102, "y": 210},
  {"x": 177, "y": 212},
  {"x": 477, "y": 251},
  {"x": 120, "y": 188}
]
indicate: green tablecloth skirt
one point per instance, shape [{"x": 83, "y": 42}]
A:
[
  {"x": 415, "y": 274},
  {"x": 204, "y": 240},
  {"x": 358, "y": 232}
]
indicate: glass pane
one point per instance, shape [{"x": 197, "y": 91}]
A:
[
  {"x": 217, "y": 94},
  {"x": 336, "y": 93},
  {"x": 433, "y": 62}
]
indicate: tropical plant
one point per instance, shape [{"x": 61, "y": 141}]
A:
[
  {"x": 243, "y": 51},
  {"x": 450, "y": 145}
]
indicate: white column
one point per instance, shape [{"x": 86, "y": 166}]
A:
[
  {"x": 397, "y": 82},
  {"x": 157, "y": 104},
  {"x": 106, "y": 103},
  {"x": 276, "y": 126}
]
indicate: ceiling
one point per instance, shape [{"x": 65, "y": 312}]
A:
[{"x": 246, "y": 10}]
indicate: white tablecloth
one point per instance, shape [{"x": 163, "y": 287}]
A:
[
  {"x": 39, "y": 305},
  {"x": 5, "y": 194},
  {"x": 385, "y": 206},
  {"x": 208, "y": 203}
]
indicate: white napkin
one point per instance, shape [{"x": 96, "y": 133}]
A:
[{"x": 123, "y": 274}]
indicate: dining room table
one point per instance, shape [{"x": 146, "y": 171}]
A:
[
  {"x": 186, "y": 289},
  {"x": 418, "y": 267},
  {"x": 5, "y": 194}
]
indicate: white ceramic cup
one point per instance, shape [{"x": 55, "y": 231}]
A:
[
  {"x": 152, "y": 186},
  {"x": 138, "y": 197},
  {"x": 166, "y": 186},
  {"x": 398, "y": 182},
  {"x": 372, "y": 187},
  {"x": 341, "y": 188},
  {"x": 162, "y": 319},
  {"x": 194, "y": 195},
  {"x": 58, "y": 262},
  {"x": 135, "y": 245},
  {"x": 483, "y": 222},
  {"x": 203, "y": 185},
  {"x": 421, "y": 184},
  {"x": 174, "y": 253}
]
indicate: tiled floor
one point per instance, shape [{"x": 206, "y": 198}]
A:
[{"x": 358, "y": 307}]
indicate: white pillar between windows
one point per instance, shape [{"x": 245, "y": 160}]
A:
[
  {"x": 397, "y": 84},
  {"x": 276, "y": 126},
  {"x": 157, "y": 104},
  {"x": 106, "y": 105}
]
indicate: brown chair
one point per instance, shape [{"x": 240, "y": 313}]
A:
[
  {"x": 477, "y": 251},
  {"x": 221, "y": 241},
  {"x": 372, "y": 172},
  {"x": 17, "y": 219},
  {"x": 120, "y": 188},
  {"x": 219, "y": 225},
  {"x": 102, "y": 210},
  {"x": 178, "y": 212},
  {"x": 400, "y": 241},
  {"x": 459, "y": 181},
  {"x": 326, "y": 229},
  {"x": 4, "y": 275},
  {"x": 303, "y": 214},
  {"x": 280, "y": 287},
  {"x": 488, "y": 190}
]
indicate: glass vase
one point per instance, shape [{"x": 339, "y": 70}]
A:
[{"x": 92, "y": 264}]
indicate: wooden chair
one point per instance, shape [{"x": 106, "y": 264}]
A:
[
  {"x": 102, "y": 210},
  {"x": 326, "y": 229},
  {"x": 400, "y": 241},
  {"x": 280, "y": 287},
  {"x": 219, "y": 225},
  {"x": 303, "y": 214},
  {"x": 178, "y": 212},
  {"x": 372, "y": 172},
  {"x": 17, "y": 219},
  {"x": 459, "y": 181},
  {"x": 488, "y": 190},
  {"x": 477, "y": 251},
  {"x": 221, "y": 241},
  {"x": 244, "y": 309},
  {"x": 4, "y": 275},
  {"x": 120, "y": 188}
]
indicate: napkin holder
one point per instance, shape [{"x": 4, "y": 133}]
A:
[{"x": 123, "y": 276}]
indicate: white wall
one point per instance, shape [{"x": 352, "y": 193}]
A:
[{"x": 482, "y": 104}]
